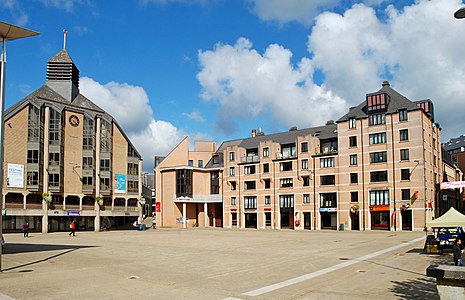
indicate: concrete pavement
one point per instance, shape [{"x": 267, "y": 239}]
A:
[{"x": 218, "y": 264}]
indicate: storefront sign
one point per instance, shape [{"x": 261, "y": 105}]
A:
[
  {"x": 73, "y": 213},
  {"x": 15, "y": 175},
  {"x": 328, "y": 209},
  {"x": 452, "y": 185},
  {"x": 157, "y": 207},
  {"x": 120, "y": 183},
  {"x": 3, "y": 212},
  {"x": 379, "y": 208}
]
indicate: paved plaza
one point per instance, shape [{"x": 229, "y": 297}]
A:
[{"x": 218, "y": 264}]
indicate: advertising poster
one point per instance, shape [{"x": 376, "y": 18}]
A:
[
  {"x": 120, "y": 184},
  {"x": 15, "y": 175}
]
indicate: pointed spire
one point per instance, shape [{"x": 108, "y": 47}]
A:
[{"x": 65, "y": 33}]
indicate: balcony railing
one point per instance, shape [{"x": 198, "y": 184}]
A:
[{"x": 250, "y": 159}]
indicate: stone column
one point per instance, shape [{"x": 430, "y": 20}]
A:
[
  {"x": 97, "y": 217},
  {"x": 45, "y": 169},
  {"x": 24, "y": 200},
  {"x": 97, "y": 173},
  {"x": 205, "y": 214}
]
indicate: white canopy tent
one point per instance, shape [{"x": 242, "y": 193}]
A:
[{"x": 451, "y": 218}]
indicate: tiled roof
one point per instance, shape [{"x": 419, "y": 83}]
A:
[
  {"x": 454, "y": 143},
  {"x": 61, "y": 56},
  {"x": 397, "y": 102}
]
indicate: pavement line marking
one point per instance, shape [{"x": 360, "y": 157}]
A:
[
  {"x": 5, "y": 297},
  {"x": 309, "y": 276}
]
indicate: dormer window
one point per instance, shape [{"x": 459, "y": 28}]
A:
[{"x": 377, "y": 102}]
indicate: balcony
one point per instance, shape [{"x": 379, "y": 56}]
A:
[{"x": 250, "y": 159}]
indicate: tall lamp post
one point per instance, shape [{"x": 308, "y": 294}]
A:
[{"x": 8, "y": 32}]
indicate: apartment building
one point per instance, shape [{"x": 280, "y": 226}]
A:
[
  {"x": 66, "y": 159},
  {"x": 377, "y": 167}
]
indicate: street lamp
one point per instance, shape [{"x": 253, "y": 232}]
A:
[
  {"x": 460, "y": 14},
  {"x": 8, "y": 32}
]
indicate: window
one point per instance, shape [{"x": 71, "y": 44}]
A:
[
  {"x": 267, "y": 183},
  {"x": 87, "y": 180},
  {"x": 353, "y": 177},
  {"x": 233, "y": 200},
  {"x": 306, "y": 180},
  {"x": 405, "y": 194},
  {"x": 104, "y": 165},
  {"x": 403, "y": 115},
  {"x": 33, "y": 126},
  {"x": 249, "y": 170},
  {"x": 353, "y": 196},
  {"x": 327, "y": 162},
  {"x": 54, "y": 127},
  {"x": 266, "y": 168},
  {"x": 32, "y": 178},
  {"x": 133, "y": 168},
  {"x": 352, "y": 141},
  {"x": 378, "y": 138},
  {"x": 286, "y": 166},
  {"x": 232, "y": 171},
  {"x": 267, "y": 200},
  {"x": 231, "y": 156},
  {"x": 105, "y": 136},
  {"x": 286, "y": 182},
  {"x": 377, "y": 102},
  {"x": 379, "y": 176},
  {"x": 214, "y": 182},
  {"x": 54, "y": 159},
  {"x": 266, "y": 152},
  {"x": 200, "y": 163},
  {"x": 353, "y": 159},
  {"x": 288, "y": 150},
  {"x": 379, "y": 197},
  {"x": 327, "y": 146},
  {"x": 377, "y": 119},
  {"x": 328, "y": 200},
  {"x": 304, "y": 147},
  {"x": 377, "y": 157},
  {"x": 54, "y": 180},
  {"x": 105, "y": 184},
  {"x": 352, "y": 123},
  {"x": 286, "y": 201},
  {"x": 133, "y": 186},
  {"x": 233, "y": 185},
  {"x": 306, "y": 198},
  {"x": 216, "y": 159},
  {"x": 403, "y": 134},
  {"x": 250, "y": 202},
  {"x": 404, "y": 154},
  {"x": 250, "y": 185},
  {"x": 88, "y": 134},
  {"x": 87, "y": 163},
  {"x": 32, "y": 156},
  {"x": 405, "y": 174},
  {"x": 190, "y": 163},
  {"x": 183, "y": 183},
  {"x": 304, "y": 164},
  {"x": 328, "y": 180}
]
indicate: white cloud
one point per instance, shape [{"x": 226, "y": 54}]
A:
[
  {"x": 18, "y": 14},
  {"x": 190, "y": 2},
  {"x": 247, "y": 84},
  {"x": 66, "y": 5},
  {"x": 129, "y": 105},
  {"x": 195, "y": 116}
]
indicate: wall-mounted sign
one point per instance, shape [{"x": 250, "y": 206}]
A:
[
  {"x": 73, "y": 213},
  {"x": 328, "y": 209},
  {"x": 379, "y": 207},
  {"x": 3, "y": 212},
  {"x": 452, "y": 185},
  {"x": 15, "y": 175},
  {"x": 157, "y": 207},
  {"x": 120, "y": 183}
]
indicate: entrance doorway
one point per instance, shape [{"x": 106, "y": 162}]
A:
[
  {"x": 354, "y": 221},
  {"x": 406, "y": 219},
  {"x": 268, "y": 219},
  {"x": 328, "y": 220},
  {"x": 307, "y": 221},
  {"x": 250, "y": 220},
  {"x": 380, "y": 220}
]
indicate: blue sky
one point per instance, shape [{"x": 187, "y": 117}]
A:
[{"x": 216, "y": 69}]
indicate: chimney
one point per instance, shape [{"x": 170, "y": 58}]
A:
[
  {"x": 386, "y": 83},
  {"x": 254, "y": 132}
]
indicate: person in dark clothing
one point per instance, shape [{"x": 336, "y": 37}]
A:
[
  {"x": 26, "y": 229},
  {"x": 461, "y": 236},
  {"x": 457, "y": 253}
]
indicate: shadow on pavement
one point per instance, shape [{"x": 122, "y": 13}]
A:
[
  {"x": 419, "y": 288},
  {"x": 13, "y": 248}
]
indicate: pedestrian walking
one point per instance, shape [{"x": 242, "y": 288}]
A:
[
  {"x": 457, "y": 253},
  {"x": 72, "y": 226},
  {"x": 154, "y": 223},
  {"x": 26, "y": 230}
]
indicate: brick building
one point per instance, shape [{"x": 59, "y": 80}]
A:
[
  {"x": 67, "y": 159},
  {"x": 377, "y": 167}
]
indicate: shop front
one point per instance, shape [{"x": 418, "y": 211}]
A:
[
  {"x": 380, "y": 217},
  {"x": 328, "y": 217}
]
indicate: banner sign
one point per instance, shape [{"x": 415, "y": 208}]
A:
[
  {"x": 328, "y": 209},
  {"x": 452, "y": 185},
  {"x": 379, "y": 207},
  {"x": 120, "y": 183},
  {"x": 157, "y": 207},
  {"x": 15, "y": 175},
  {"x": 73, "y": 213}
]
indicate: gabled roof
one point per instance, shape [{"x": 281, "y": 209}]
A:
[
  {"x": 397, "y": 102},
  {"x": 454, "y": 143}
]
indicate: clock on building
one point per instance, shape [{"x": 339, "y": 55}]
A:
[{"x": 74, "y": 120}]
